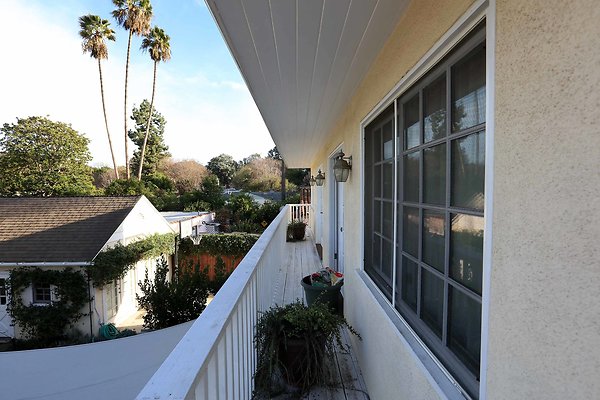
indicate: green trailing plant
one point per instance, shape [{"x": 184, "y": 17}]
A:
[
  {"x": 169, "y": 303},
  {"x": 311, "y": 332},
  {"x": 114, "y": 263},
  {"x": 296, "y": 230},
  {"x": 221, "y": 244},
  {"x": 47, "y": 324}
]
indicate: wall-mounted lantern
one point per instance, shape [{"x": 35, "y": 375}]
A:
[
  {"x": 320, "y": 178},
  {"x": 312, "y": 180},
  {"x": 342, "y": 167}
]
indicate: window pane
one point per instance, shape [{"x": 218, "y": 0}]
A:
[
  {"x": 464, "y": 329},
  {"x": 377, "y": 145},
  {"x": 434, "y": 175},
  {"x": 468, "y": 171},
  {"x": 377, "y": 216},
  {"x": 411, "y": 177},
  {"x": 411, "y": 123},
  {"x": 466, "y": 250},
  {"x": 388, "y": 181},
  {"x": 377, "y": 181},
  {"x": 434, "y": 241},
  {"x": 432, "y": 301},
  {"x": 377, "y": 253},
  {"x": 408, "y": 283},
  {"x": 434, "y": 110},
  {"x": 388, "y": 220},
  {"x": 410, "y": 231},
  {"x": 388, "y": 140},
  {"x": 387, "y": 260},
  {"x": 468, "y": 91}
]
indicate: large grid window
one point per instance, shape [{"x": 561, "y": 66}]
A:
[{"x": 425, "y": 167}]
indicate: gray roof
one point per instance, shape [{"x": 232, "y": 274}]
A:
[{"x": 59, "y": 229}]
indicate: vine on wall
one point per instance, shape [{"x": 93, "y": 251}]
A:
[
  {"x": 114, "y": 263},
  {"x": 47, "y": 323}
]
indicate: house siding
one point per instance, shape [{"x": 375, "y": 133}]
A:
[
  {"x": 390, "y": 368},
  {"x": 544, "y": 340}
]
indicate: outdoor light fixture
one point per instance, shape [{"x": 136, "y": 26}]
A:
[
  {"x": 341, "y": 167},
  {"x": 320, "y": 178},
  {"x": 312, "y": 180}
]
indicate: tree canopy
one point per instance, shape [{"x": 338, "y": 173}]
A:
[
  {"x": 156, "y": 149},
  {"x": 40, "y": 157},
  {"x": 224, "y": 167}
]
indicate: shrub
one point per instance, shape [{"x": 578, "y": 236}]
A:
[{"x": 169, "y": 303}]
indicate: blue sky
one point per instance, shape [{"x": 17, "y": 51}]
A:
[{"x": 199, "y": 91}]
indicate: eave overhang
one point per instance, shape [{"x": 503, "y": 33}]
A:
[{"x": 303, "y": 60}]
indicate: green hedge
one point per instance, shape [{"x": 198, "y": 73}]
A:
[{"x": 220, "y": 244}]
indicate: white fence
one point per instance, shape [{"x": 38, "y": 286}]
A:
[
  {"x": 216, "y": 358},
  {"x": 300, "y": 212}
]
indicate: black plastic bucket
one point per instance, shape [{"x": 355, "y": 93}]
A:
[{"x": 330, "y": 295}]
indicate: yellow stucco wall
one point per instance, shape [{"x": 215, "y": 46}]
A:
[
  {"x": 389, "y": 368},
  {"x": 545, "y": 285}
]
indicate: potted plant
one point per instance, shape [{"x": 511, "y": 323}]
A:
[
  {"x": 296, "y": 230},
  {"x": 294, "y": 344}
]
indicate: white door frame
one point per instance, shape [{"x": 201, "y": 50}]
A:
[{"x": 336, "y": 207}]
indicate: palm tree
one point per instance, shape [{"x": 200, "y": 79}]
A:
[
  {"x": 135, "y": 17},
  {"x": 156, "y": 42},
  {"x": 94, "y": 32}
]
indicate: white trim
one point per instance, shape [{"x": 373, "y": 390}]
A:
[
  {"x": 479, "y": 11},
  {"x": 490, "y": 126},
  {"x": 333, "y": 240}
]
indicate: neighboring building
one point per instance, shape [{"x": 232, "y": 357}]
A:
[
  {"x": 59, "y": 232},
  {"x": 191, "y": 223},
  {"x": 468, "y": 226}
]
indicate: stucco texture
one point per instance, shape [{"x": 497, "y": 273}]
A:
[
  {"x": 544, "y": 340},
  {"x": 389, "y": 368}
]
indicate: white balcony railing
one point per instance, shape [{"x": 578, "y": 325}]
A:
[
  {"x": 300, "y": 212},
  {"x": 216, "y": 358}
]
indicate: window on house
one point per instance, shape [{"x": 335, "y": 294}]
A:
[
  {"x": 3, "y": 294},
  {"x": 424, "y": 207},
  {"x": 42, "y": 293}
]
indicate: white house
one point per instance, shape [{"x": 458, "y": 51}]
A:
[{"x": 61, "y": 232}]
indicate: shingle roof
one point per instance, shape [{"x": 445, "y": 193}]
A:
[{"x": 59, "y": 229}]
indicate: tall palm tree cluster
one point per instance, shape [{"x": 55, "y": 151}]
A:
[{"x": 135, "y": 17}]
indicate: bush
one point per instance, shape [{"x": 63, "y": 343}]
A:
[{"x": 172, "y": 303}]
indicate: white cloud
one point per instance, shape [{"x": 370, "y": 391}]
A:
[{"x": 45, "y": 73}]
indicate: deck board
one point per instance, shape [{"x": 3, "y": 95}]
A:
[{"x": 302, "y": 259}]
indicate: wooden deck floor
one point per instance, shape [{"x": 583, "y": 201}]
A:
[{"x": 302, "y": 259}]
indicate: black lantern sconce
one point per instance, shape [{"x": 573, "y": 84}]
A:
[
  {"x": 320, "y": 178},
  {"x": 342, "y": 167},
  {"x": 312, "y": 180}
]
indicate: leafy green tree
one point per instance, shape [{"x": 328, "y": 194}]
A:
[
  {"x": 224, "y": 167},
  {"x": 157, "y": 188},
  {"x": 208, "y": 198},
  {"x": 135, "y": 17},
  {"x": 156, "y": 42},
  {"x": 94, "y": 32},
  {"x": 39, "y": 157},
  {"x": 258, "y": 175},
  {"x": 169, "y": 303},
  {"x": 156, "y": 149}
]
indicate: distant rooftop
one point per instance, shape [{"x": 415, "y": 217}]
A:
[{"x": 173, "y": 216}]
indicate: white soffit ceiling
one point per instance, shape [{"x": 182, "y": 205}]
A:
[{"x": 303, "y": 60}]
